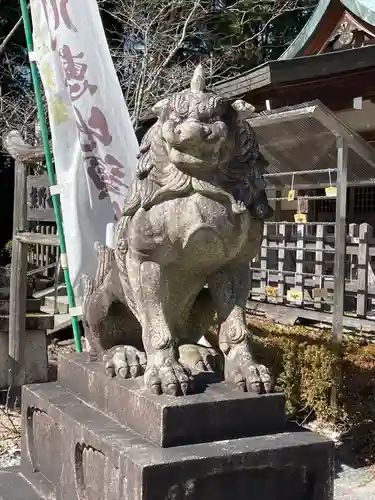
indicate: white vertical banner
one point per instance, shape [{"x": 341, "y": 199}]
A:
[{"x": 93, "y": 141}]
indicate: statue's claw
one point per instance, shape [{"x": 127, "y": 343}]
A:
[
  {"x": 124, "y": 361},
  {"x": 197, "y": 357},
  {"x": 249, "y": 376},
  {"x": 163, "y": 375}
]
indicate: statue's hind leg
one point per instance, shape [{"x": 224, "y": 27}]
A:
[
  {"x": 158, "y": 311},
  {"x": 230, "y": 288}
]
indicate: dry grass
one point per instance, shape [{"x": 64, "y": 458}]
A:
[{"x": 10, "y": 432}]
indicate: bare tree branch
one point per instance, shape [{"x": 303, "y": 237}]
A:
[
  {"x": 8, "y": 38},
  {"x": 155, "y": 45},
  {"x": 178, "y": 45},
  {"x": 161, "y": 40}
]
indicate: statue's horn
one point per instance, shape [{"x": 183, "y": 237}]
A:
[{"x": 197, "y": 82}]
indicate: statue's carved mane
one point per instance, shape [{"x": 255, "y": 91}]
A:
[{"x": 159, "y": 180}]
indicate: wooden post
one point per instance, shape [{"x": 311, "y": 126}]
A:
[
  {"x": 365, "y": 232},
  {"x": 18, "y": 282},
  {"x": 340, "y": 258},
  {"x": 47, "y": 251},
  {"x": 319, "y": 245},
  {"x": 38, "y": 249},
  {"x": 340, "y": 240},
  {"x": 280, "y": 264},
  {"x": 263, "y": 263},
  {"x": 300, "y": 257},
  {"x": 352, "y": 260}
]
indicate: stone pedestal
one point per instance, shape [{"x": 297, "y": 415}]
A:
[
  {"x": 88, "y": 437},
  {"x": 36, "y": 363}
]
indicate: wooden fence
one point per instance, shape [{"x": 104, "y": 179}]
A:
[
  {"x": 43, "y": 256},
  {"x": 295, "y": 267}
]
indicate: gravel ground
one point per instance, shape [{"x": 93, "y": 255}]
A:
[
  {"x": 355, "y": 484},
  {"x": 10, "y": 461}
]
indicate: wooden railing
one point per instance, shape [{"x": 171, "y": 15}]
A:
[
  {"x": 44, "y": 257},
  {"x": 296, "y": 263},
  {"x": 293, "y": 268}
]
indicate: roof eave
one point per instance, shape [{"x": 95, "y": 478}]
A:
[
  {"x": 307, "y": 32},
  {"x": 364, "y": 9},
  {"x": 360, "y": 8}
]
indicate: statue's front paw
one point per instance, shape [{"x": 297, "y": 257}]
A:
[
  {"x": 200, "y": 358},
  {"x": 165, "y": 375},
  {"x": 241, "y": 369},
  {"x": 124, "y": 361}
]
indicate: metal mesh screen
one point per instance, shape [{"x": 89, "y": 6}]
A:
[{"x": 305, "y": 144}]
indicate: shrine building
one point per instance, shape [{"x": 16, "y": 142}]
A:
[{"x": 332, "y": 63}]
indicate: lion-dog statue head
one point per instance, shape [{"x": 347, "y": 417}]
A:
[{"x": 201, "y": 142}]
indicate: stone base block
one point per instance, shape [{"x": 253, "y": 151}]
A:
[
  {"x": 13, "y": 486},
  {"x": 35, "y": 357},
  {"x": 219, "y": 411},
  {"x": 72, "y": 451}
]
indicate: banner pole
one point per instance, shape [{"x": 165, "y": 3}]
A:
[{"x": 51, "y": 173}]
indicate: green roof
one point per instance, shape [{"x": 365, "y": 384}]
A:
[{"x": 364, "y": 9}]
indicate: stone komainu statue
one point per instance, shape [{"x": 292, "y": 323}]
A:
[{"x": 191, "y": 224}]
